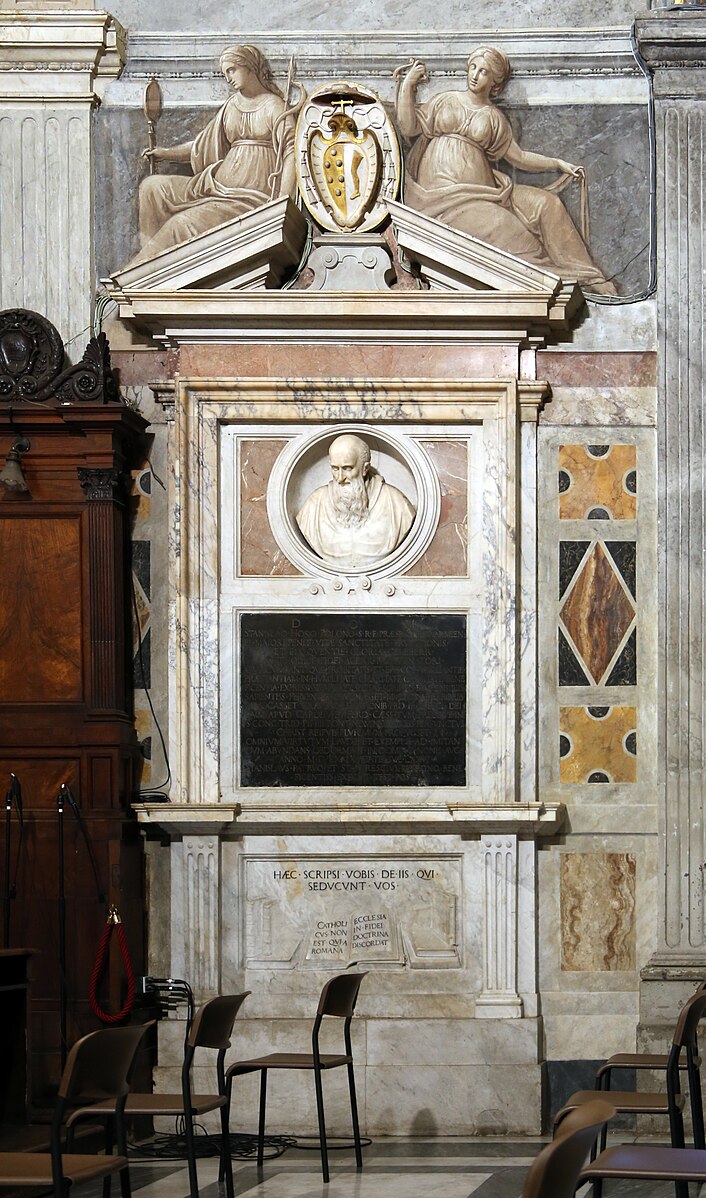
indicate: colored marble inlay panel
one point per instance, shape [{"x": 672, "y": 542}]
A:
[
  {"x": 597, "y": 482},
  {"x": 447, "y": 556},
  {"x": 259, "y": 552},
  {"x": 598, "y": 744},
  {"x": 597, "y": 911},
  {"x": 598, "y": 612},
  {"x": 144, "y": 729},
  {"x": 624, "y": 672}
]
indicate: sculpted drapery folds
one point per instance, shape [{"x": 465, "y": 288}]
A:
[
  {"x": 242, "y": 159},
  {"x": 457, "y": 137}
]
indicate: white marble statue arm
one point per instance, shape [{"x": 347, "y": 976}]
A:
[
  {"x": 180, "y": 153},
  {"x": 527, "y": 161},
  {"x": 405, "y": 102}
]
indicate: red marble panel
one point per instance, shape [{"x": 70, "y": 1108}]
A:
[
  {"x": 447, "y": 556},
  {"x": 281, "y": 360},
  {"x": 598, "y": 369},
  {"x": 259, "y": 552},
  {"x": 139, "y": 367}
]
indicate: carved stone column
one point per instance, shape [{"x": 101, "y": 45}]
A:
[
  {"x": 52, "y": 67},
  {"x": 499, "y": 998},
  {"x": 673, "y": 44}
]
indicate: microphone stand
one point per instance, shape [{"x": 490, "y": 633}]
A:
[
  {"x": 66, "y": 795},
  {"x": 14, "y": 793},
  {"x": 62, "y": 927}
]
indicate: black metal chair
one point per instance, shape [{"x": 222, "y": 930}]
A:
[
  {"x": 338, "y": 999},
  {"x": 658, "y": 1062},
  {"x": 99, "y": 1064},
  {"x": 669, "y": 1102},
  {"x": 211, "y": 1028},
  {"x": 555, "y": 1171}
]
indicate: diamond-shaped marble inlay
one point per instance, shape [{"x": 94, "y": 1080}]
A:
[{"x": 597, "y": 613}]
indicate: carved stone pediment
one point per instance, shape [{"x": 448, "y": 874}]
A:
[
  {"x": 257, "y": 251},
  {"x": 226, "y": 285},
  {"x": 449, "y": 260}
]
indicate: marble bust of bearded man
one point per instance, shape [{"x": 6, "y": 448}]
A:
[{"x": 357, "y": 518}]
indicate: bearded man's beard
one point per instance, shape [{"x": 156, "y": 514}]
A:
[{"x": 350, "y": 502}]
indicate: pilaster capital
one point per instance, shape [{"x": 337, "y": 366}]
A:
[
  {"x": 64, "y": 56},
  {"x": 673, "y": 44}
]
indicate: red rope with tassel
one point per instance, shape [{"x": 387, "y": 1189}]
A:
[{"x": 113, "y": 922}]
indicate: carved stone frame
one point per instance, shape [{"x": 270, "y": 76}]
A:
[{"x": 200, "y": 407}]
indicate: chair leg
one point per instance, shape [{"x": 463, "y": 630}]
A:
[
  {"x": 676, "y": 1129},
  {"x": 322, "y": 1123},
  {"x": 125, "y": 1190},
  {"x": 697, "y": 1108},
  {"x": 597, "y": 1189},
  {"x": 354, "y": 1115},
  {"x": 226, "y": 1165},
  {"x": 261, "y": 1124},
  {"x": 697, "y": 1116},
  {"x": 225, "y": 1113},
  {"x": 122, "y": 1149},
  {"x": 191, "y": 1153}
]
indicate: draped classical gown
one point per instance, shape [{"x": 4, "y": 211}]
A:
[
  {"x": 235, "y": 161},
  {"x": 450, "y": 176}
]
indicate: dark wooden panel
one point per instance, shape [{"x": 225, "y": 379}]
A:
[
  {"x": 40, "y": 610},
  {"x": 65, "y": 715}
]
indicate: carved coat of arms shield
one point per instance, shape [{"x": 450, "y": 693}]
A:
[
  {"x": 348, "y": 158},
  {"x": 345, "y": 169}
]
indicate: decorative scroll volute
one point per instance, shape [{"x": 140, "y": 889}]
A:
[{"x": 31, "y": 360}]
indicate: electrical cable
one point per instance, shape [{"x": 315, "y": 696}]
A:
[
  {"x": 162, "y": 786},
  {"x": 103, "y": 301},
  {"x": 243, "y": 1147},
  {"x": 165, "y": 1146},
  {"x": 618, "y": 300},
  {"x": 332, "y": 1146},
  {"x": 73, "y": 804}
]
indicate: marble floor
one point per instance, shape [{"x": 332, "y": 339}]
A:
[{"x": 393, "y": 1168}]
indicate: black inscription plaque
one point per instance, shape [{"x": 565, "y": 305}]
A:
[{"x": 364, "y": 700}]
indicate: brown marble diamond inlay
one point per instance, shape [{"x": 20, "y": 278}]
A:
[{"x": 597, "y": 613}]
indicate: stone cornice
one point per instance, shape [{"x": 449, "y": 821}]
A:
[
  {"x": 58, "y": 56},
  {"x": 320, "y": 54},
  {"x": 673, "y": 44},
  {"x": 487, "y": 317},
  {"x": 462, "y": 819}
]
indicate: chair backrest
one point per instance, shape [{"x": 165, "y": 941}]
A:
[
  {"x": 687, "y": 1024},
  {"x": 554, "y": 1173},
  {"x": 213, "y": 1022},
  {"x": 340, "y": 995},
  {"x": 100, "y": 1064}
]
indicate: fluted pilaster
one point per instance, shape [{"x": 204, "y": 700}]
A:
[
  {"x": 674, "y": 45},
  {"x": 52, "y": 68}
]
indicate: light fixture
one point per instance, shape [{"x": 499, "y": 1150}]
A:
[{"x": 11, "y": 475}]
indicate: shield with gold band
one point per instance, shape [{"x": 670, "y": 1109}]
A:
[{"x": 345, "y": 169}]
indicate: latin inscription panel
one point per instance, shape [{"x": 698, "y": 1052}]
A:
[
  {"x": 327, "y": 911},
  {"x": 363, "y": 700}
]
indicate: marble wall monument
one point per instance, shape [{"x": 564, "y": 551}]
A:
[{"x": 464, "y": 753}]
